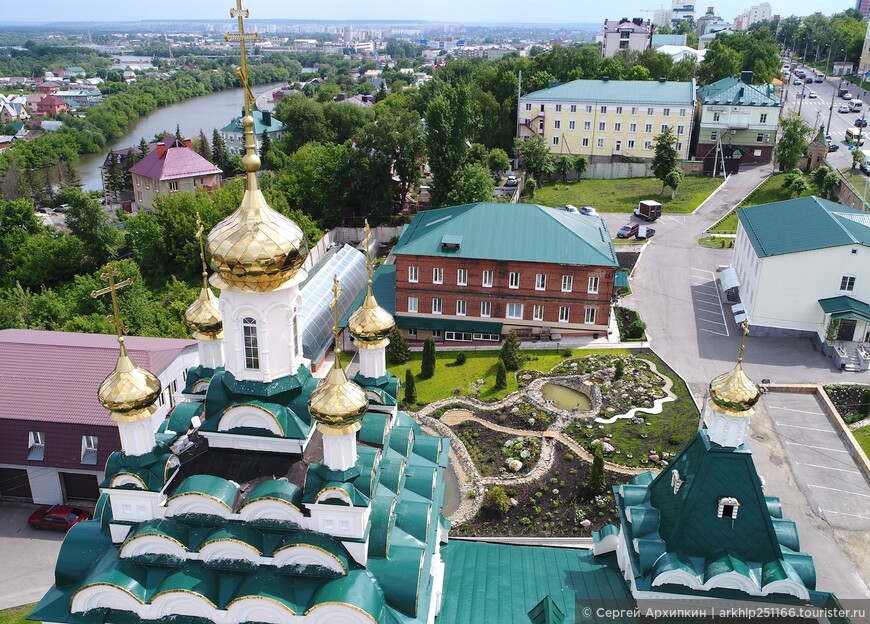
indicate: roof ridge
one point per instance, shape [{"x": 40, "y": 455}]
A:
[
  {"x": 544, "y": 209},
  {"x": 834, "y": 218}
]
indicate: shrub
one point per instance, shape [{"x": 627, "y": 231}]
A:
[
  {"x": 636, "y": 331},
  {"x": 428, "y": 364},
  {"x": 596, "y": 481},
  {"x": 619, "y": 369},
  {"x": 500, "y": 375},
  {"x": 497, "y": 501},
  {"x": 398, "y": 351},
  {"x": 510, "y": 352},
  {"x": 460, "y": 358},
  {"x": 410, "y": 387}
]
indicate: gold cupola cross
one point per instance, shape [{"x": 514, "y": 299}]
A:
[
  {"x": 333, "y": 305},
  {"x": 115, "y": 317},
  {"x": 242, "y": 37}
]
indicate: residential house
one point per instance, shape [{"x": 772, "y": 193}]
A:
[
  {"x": 48, "y": 86},
  {"x": 802, "y": 268},
  {"x": 233, "y": 133},
  {"x": 458, "y": 282},
  {"x": 13, "y": 108},
  {"x": 704, "y": 41},
  {"x": 609, "y": 120},
  {"x": 360, "y": 99},
  {"x": 80, "y": 98},
  {"x": 51, "y": 105},
  {"x": 626, "y": 34},
  {"x": 737, "y": 123},
  {"x": 55, "y": 437},
  {"x": 75, "y": 72},
  {"x": 173, "y": 166},
  {"x": 121, "y": 156}
]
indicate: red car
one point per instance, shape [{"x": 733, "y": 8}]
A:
[{"x": 57, "y": 517}]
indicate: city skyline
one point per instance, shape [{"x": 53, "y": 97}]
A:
[{"x": 487, "y": 11}]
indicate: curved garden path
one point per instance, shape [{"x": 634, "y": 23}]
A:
[{"x": 657, "y": 404}]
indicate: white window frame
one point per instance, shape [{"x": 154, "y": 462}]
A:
[
  {"x": 617, "y": 127},
  {"x": 538, "y": 312},
  {"x": 413, "y": 274},
  {"x": 588, "y": 108},
  {"x": 592, "y": 285},
  {"x": 602, "y": 126},
  {"x": 251, "y": 343},
  {"x": 485, "y": 309},
  {"x": 600, "y": 143},
  {"x": 603, "y": 109},
  {"x": 36, "y": 446},
  {"x": 557, "y": 124},
  {"x": 555, "y": 140},
  {"x": 564, "y": 314},
  {"x": 587, "y": 125},
  {"x": 572, "y": 125},
  {"x": 618, "y": 110},
  {"x": 511, "y": 311},
  {"x": 573, "y": 108},
  {"x": 666, "y": 112},
  {"x": 486, "y": 279},
  {"x": 461, "y": 307},
  {"x": 541, "y": 281},
  {"x": 589, "y": 316},
  {"x": 763, "y": 118},
  {"x": 514, "y": 280},
  {"x": 437, "y": 275},
  {"x": 585, "y": 142},
  {"x": 727, "y": 501},
  {"x": 567, "y": 283},
  {"x": 847, "y": 283},
  {"x": 631, "y": 144},
  {"x": 413, "y": 304},
  {"x": 462, "y": 277},
  {"x": 648, "y": 128},
  {"x": 528, "y": 106},
  {"x": 437, "y": 305},
  {"x": 558, "y": 108}
]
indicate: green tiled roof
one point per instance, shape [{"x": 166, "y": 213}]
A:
[
  {"x": 804, "y": 224},
  {"x": 627, "y": 91},
  {"x": 521, "y": 232},
  {"x": 733, "y": 91},
  {"x": 499, "y": 584},
  {"x": 214, "y": 487},
  {"x": 845, "y": 307},
  {"x": 151, "y": 470},
  {"x": 259, "y": 127}
]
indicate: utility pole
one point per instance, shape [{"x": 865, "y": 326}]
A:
[{"x": 803, "y": 93}]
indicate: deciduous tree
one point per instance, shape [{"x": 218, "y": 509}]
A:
[
  {"x": 665, "y": 159},
  {"x": 793, "y": 141}
]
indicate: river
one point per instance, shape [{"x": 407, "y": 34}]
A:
[{"x": 205, "y": 113}]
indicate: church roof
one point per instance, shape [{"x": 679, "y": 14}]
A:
[{"x": 261, "y": 124}]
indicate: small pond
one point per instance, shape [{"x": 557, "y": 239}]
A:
[{"x": 565, "y": 398}]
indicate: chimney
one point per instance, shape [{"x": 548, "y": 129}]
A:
[
  {"x": 161, "y": 150},
  {"x": 188, "y": 143},
  {"x": 267, "y": 118},
  {"x": 746, "y": 77}
]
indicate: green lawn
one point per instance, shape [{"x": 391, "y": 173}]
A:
[
  {"x": 450, "y": 380},
  {"x": 863, "y": 437},
  {"x": 770, "y": 191},
  {"x": 623, "y": 194},
  {"x": 16, "y": 615}
]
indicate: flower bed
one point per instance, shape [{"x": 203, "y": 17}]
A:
[
  {"x": 851, "y": 400},
  {"x": 557, "y": 504},
  {"x": 522, "y": 415},
  {"x": 493, "y": 452}
]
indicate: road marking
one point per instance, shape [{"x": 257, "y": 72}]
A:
[
  {"x": 842, "y": 513},
  {"x": 797, "y": 463},
  {"x": 710, "y": 331},
  {"x": 711, "y": 322},
  {"x": 818, "y": 448},
  {"x": 702, "y": 303},
  {"x": 789, "y": 409},
  {"x": 680, "y": 220},
  {"x": 822, "y": 487},
  {"x": 807, "y": 428}
]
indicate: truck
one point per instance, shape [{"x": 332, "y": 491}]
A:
[{"x": 648, "y": 210}]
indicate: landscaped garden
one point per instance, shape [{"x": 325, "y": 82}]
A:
[
  {"x": 623, "y": 194},
  {"x": 851, "y": 400},
  {"x": 494, "y": 452}
]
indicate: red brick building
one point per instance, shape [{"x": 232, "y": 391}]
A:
[{"x": 473, "y": 273}]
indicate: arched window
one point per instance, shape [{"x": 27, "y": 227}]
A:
[{"x": 252, "y": 349}]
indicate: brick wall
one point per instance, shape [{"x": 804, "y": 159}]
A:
[{"x": 500, "y": 295}]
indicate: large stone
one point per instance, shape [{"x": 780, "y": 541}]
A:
[
  {"x": 586, "y": 524},
  {"x": 514, "y": 465}
]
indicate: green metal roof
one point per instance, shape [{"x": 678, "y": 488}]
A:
[
  {"x": 620, "y": 279},
  {"x": 451, "y": 324},
  {"x": 275, "y": 489},
  {"x": 845, "y": 307},
  {"x": 627, "y": 91},
  {"x": 803, "y": 224},
  {"x": 259, "y": 127},
  {"x": 151, "y": 470},
  {"x": 182, "y": 414},
  {"x": 500, "y": 584},
  {"x": 520, "y": 232},
  {"x": 734, "y": 92},
  {"x": 207, "y": 485}
]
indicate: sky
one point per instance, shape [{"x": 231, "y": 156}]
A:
[{"x": 508, "y": 11}]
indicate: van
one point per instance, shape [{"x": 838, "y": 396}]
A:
[
  {"x": 856, "y": 105},
  {"x": 852, "y": 135},
  {"x": 820, "y": 77}
]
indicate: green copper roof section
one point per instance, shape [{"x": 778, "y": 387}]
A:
[
  {"x": 546, "y": 612},
  {"x": 148, "y": 472},
  {"x": 282, "y": 590},
  {"x": 182, "y": 414},
  {"x": 235, "y": 532},
  {"x": 259, "y": 127},
  {"x": 318, "y": 541},
  {"x": 196, "y": 580},
  {"x": 803, "y": 224},
  {"x": 210, "y": 486},
  {"x": 374, "y": 428},
  {"x": 175, "y": 531},
  {"x": 845, "y": 307},
  {"x": 275, "y": 489},
  {"x": 80, "y": 546},
  {"x": 521, "y": 577},
  {"x": 732, "y": 91},
  {"x": 358, "y": 589},
  {"x": 194, "y": 376},
  {"x": 510, "y": 232},
  {"x": 618, "y": 91}
]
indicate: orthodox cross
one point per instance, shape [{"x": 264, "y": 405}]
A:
[
  {"x": 113, "y": 288},
  {"x": 745, "y": 326},
  {"x": 367, "y": 242},
  {"x": 333, "y": 305},
  {"x": 242, "y": 37},
  {"x": 199, "y": 231}
]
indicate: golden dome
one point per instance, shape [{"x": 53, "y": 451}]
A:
[
  {"x": 338, "y": 404},
  {"x": 734, "y": 393},
  {"x": 371, "y": 325},
  {"x": 129, "y": 392},
  {"x": 203, "y": 316},
  {"x": 256, "y": 248}
]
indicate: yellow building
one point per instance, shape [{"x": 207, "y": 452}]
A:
[{"x": 609, "y": 120}]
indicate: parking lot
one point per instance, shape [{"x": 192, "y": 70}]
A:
[
  {"x": 835, "y": 488},
  {"x": 709, "y": 309}
]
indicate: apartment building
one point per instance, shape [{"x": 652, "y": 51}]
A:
[
  {"x": 608, "y": 120},
  {"x": 626, "y": 34}
]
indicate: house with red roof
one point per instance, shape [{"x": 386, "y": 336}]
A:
[
  {"x": 55, "y": 437},
  {"x": 51, "y": 105},
  {"x": 174, "y": 166}
]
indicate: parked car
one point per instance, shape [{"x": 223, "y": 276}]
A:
[
  {"x": 511, "y": 181},
  {"x": 861, "y": 122},
  {"x": 628, "y": 230},
  {"x": 833, "y": 147},
  {"x": 588, "y": 210},
  {"x": 57, "y": 517},
  {"x": 812, "y": 94},
  {"x": 644, "y": 232},
  {"x": 847, "y": 96},
  {"x": 865, "y": 167},
  {"x": 842, "y": 109},
  {"x": 62, "y": 208}
]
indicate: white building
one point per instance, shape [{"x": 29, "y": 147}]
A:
[
  {"x": 803, "y": 269},
  {"x": 626, "y": 34}
]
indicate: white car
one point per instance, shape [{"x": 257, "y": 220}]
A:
[
  {"x": 798, "y": 81},
  {"x": 812, "y": 94},
  {"x": 589, "y": 210}
]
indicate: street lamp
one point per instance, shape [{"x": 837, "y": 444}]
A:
[{"x": 803, "y": 90}]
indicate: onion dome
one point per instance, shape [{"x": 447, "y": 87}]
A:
[
  {"x": 203, "y": 316},
  {"x": 129, "y": 392},
  {"x": 338, "y": 404},
  {"x": 734, "y": 393},
  {"x": 371, "y": 325},
  {"x": 255, "y": 249}
]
